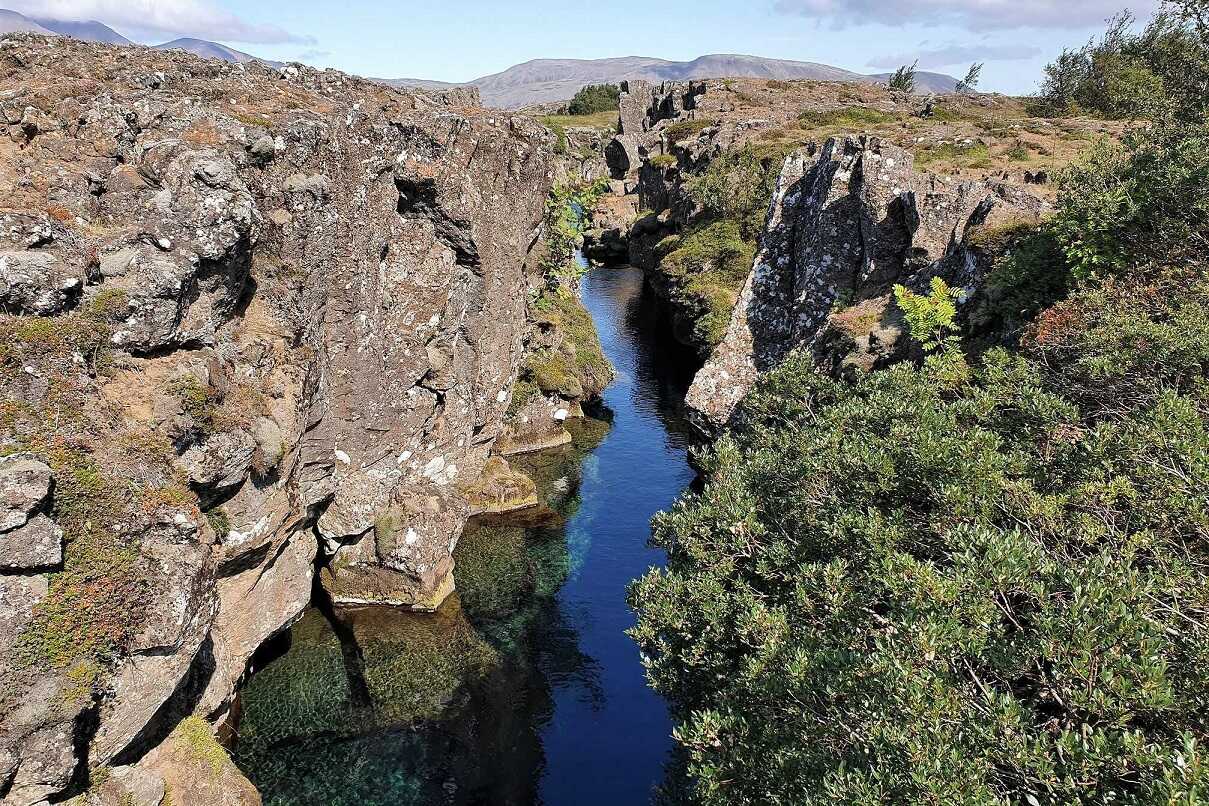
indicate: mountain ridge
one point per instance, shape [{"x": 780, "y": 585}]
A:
[
  {"x": 539, "y": 81},
  {"x": 530, "y": 83}
]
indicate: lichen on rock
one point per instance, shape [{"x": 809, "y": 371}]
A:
[
  {"x": 844, "y": 226},
  {"x": 287, "y": 297}
]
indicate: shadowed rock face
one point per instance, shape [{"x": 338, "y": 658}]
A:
[
  {"x": 843, "y": 228},
  {"x": 312, "y": 297}
]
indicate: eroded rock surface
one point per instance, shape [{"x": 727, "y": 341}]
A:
[
  {"x": 250, "y": 315},
  {"x": 843, "y": 228}
]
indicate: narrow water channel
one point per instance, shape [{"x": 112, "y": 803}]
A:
[{"x": 523, "y": 689}]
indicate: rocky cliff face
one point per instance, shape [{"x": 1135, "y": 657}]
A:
[
  {"x": 251, "y": 317},
  {"x": 844, "y": 226}
]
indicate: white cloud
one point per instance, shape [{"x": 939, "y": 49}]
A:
[
  {"x": 974, "y": 15},
  {"x": 313, "y": 55},
  {"x": 167, "y": 18},
  {"x": 948, "y": 55}
]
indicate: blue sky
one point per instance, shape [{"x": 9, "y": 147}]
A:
[{"x": 462, "y": 39}]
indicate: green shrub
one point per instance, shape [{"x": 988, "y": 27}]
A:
[
  {"x": 901, "y": 591},
  {"x": 738, "y": 186},
  {"x": 1019, "y": 152},
  {"x": 982, "y": 586},
  {"x": 685, "y": 129},
  {"x": 968, "y": 154},
  {"x": 594, "y": 98},
  {"x": 1145, "y": 202},
  {"x": 1163, "y": 69},
  {"x": 708, "y": 267},
  {"x": 903, "y": 79},
  {"x": 664, "y": 161},
  {"x": 220, "y": 522},
  {"x": 567, "y": 210}
]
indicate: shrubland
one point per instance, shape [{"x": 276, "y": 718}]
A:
[{"x": 982, "y": 577}]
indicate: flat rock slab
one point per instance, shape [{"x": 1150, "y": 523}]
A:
[{"x": 36, "y": 545}]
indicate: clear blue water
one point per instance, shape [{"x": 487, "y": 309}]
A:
[
  {"x": 609, "y": 746},
  {"x": 523, "y": 689}
]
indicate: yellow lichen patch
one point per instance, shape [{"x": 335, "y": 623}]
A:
[
  {"x": 499, "y": 488},
  {"x": 195, "y": 735}
]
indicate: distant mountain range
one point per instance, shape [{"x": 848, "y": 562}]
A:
[
  {"x": 92, "y": 31},
  {"x": 534, "y": 82},
  {"x": 546, "y": 80}
]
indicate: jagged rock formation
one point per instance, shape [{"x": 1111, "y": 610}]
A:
[
  {"x": 252, "y": 316},
  {"x": 844, "y": 227}
]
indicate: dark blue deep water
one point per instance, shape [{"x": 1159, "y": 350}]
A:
[{"x": 523, "y": 689}]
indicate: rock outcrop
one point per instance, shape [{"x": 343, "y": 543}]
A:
[
  {"x": 844, "y": 226},
  {"x": 250, "y": 317}
]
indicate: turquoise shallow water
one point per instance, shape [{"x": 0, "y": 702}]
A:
[{"x": 524, "y": 688}]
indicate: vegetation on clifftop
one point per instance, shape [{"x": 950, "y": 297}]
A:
[
  {"x": 984, "y": 578},
  {"x": 707, "y": 265},
  {"x": 594, "y": 98}
]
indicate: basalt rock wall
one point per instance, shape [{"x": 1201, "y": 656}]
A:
[
  {"x": 253, "y": 317},
  {"x": 845, "y": 225}
]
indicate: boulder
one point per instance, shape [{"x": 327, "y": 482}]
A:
[
  {"x": 220, "y": 463},
  {"x": 38, "y": 544},
  {"x": 634, "y": 104},
  {"x": 25, "y": 484},
  {"x": 36, "y": 283},
  {"x": 623, "y": 156}
]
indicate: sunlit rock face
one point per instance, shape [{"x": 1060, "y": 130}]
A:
[
  {"x": 845, "y": 225},
  {"x": 250, "y": 314},
  {"x": 382, "y": 705}
]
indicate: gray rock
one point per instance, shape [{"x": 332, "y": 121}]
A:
[
  {"x": 116, "y": 264},
  {"x": 48, "y": 762},
  {"x": 849, "y": 224},
  {"x": 623, "y": 156},
  {"x": 19, "y": 595},
  {"x": 270, "y": 445},
  {"x": 25, "y": 482},
  {"x": 36, "y": 545},
  {"x": 35, "y": 283},
  {"x": 316, "y": 186},
  {"x": 221, "y": 462},
  {"x": 263, "y": 150},
  {"x": 635, "y": 102}
]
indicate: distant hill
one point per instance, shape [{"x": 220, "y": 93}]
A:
[
  {"x": 13, "y": 23},
  {"x": 540, "y": 81},
  {"x": 544, "y": 80},
  {"x": 422, "y": 83},
  {"x": 208, "y": 50},
  {"x": 90, "y": 31}
]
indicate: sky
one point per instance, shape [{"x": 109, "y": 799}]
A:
[{"x": 458, "y": 40}]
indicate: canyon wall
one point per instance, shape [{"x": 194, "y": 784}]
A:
[
  {"x": 846, "y": 224},
  {"x": 252, "y": 317},
  {"x": 766, "y": 228}
]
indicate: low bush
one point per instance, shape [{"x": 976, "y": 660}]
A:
[
  {"x": 594, "y": 98},
  {"x": 979, "y": 578}
]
